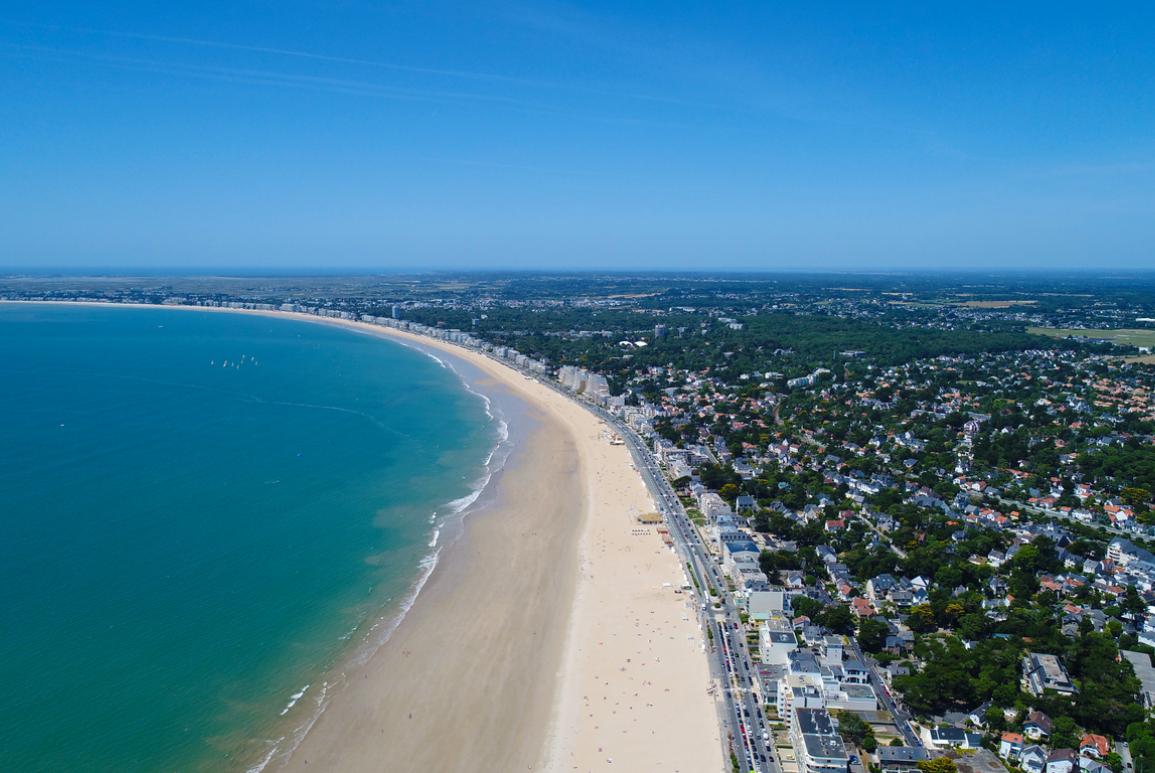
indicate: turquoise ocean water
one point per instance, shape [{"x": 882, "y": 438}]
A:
[{"x": 186, "y": 544}]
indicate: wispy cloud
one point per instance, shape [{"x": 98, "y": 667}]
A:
[
  {"x": 317, "y": 57},
  {"x": 344, "y": 86},
  {"x": 312, "y": 56},
  {"x": 261, "y": 76}
]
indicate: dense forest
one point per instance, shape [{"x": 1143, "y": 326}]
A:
[
  {"x": 789, "y": 344},
  {"x": 956, "y": 677},
  {"x": 1132, "y": 465}
]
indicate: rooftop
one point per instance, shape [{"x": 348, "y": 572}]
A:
[
  {"x": 901, "y": 754},
  {"x": 1141, "y": 663},
  {"x": 818, "y": 734}
]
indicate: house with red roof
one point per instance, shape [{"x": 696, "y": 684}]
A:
[
  {"x": 1011, "y": 746},
  {"x": 1095, "y": 746}
]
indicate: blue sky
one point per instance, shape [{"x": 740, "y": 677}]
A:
[{"x": 744, "y": 135}]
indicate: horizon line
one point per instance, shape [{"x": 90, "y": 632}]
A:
[{"x": 65, "y": 271}]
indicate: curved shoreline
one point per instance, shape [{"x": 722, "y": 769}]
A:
[
  {"x": 393, "y": 615},
  {"x": 550, "y": 640}
]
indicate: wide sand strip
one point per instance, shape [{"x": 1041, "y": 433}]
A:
[
  {"x": 633, "y": 686},
  {"x": 629, "y": 691},
  {"x": 459, "y": 686}
]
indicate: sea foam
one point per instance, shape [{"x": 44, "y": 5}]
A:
[{"x": 382, "y": 629}]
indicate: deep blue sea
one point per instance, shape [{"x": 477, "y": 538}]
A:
[{"x": 200, "y": 513}]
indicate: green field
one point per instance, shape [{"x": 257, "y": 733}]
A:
[{"x": 1122, "y": 336}]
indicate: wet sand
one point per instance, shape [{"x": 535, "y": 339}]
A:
[
  {"x": 463, "y": 684},
  {"x": 606, "y": 669}
]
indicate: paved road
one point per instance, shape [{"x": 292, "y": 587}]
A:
[
  {"x": 885, "y": 539},
  {"x": 1124, "y": 752},
  {"x": 901, "y": 718},
  {"x": 730, "y": 662},
  {"x": 1061, "y": 516},
  {"x": 745, "y": 718},
  {"x": 740, "y": 713}
]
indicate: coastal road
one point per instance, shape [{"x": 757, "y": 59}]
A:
[
  {"x": 705, "y": 580},
  {"x": 901, "y": 718},
  {"x": 740, "y": 715},
  {"x": 744, "y": 715}
]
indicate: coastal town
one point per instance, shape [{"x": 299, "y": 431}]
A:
[
  {"x": 562, "y": 386},
  {"x": 917, "y": 522}
]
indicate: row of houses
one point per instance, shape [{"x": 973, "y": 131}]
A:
[{"x": 1033, "y": 758}]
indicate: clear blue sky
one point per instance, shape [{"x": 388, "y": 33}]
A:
[{"x": 519, "y": 133}]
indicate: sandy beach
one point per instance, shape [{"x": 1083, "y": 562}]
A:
[
  {"x": 549, "y": 637},
  {"x": 605, "y": 671}
]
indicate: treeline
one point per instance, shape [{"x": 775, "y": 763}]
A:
[
  {"x": 790, "y": 344},
  {"x": 955, "y": 676},
  {"x": 1129, "y": 467}
]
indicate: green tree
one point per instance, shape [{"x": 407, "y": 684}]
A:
[
  {"x": 1108, "y": 697},
  {"x": 1141, "y": 742},
  {"x": 953, "y": 677},
  {"x": 856, "y": 731},
  {"x": 1064, "y": 733},
  {"x": 804, "y": 606},
  {"x": 1135, "y": 496},
  {"x": 972, "y": 625},
  {"x": 872, "y": 634},
  {"x": 1132, "y": 602},
  {"x": 938, "y": 765},
  {"x": 921, "y": 618},
  {"x": 837, "y": 618}
]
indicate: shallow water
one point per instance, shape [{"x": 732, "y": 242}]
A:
[{"x": 199, "y": 513}]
